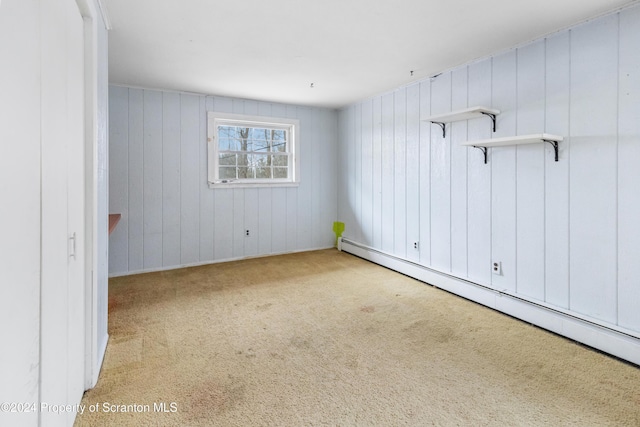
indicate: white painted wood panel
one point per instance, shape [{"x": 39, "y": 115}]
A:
[
  {"x": 307, "y": 187},
  {"x": 413, "y": 172},
  {"x": 223, "y": 211},
  {"x": 399, "y": 176},
  {"x": 207, "y": 197},
  {"x": 530, "y": 160},
  {"x": 251, "y": 205},
  {"x": 278, "y": 220},
  {"x": 118, "y": 178},
  {"x": 135, "y": 207},
  {"x": 565, "y": 231},
  {"x": 376, "y": 187},
  {"x": 387, "y": 173},
  {"x": 479, "y": 179},
  {"x": 189, "y": 178},
  {"x": 425, "y": 174},
  {"x": 183, "y": 222},
  {"x": 367, "y": 173},
  {"x": 556, "y": 204},
  {"x": 238, "y": 213},
  {"x": 440, "y": 183},
  {"x": 171, "y": 176},
  {"x": 593, "y": 163},
  {"x": 458, "y": 130},
  {"x": 502, "y": 161},
  {"x": 356, "y": 171},
  {"x": 628, "y": 171},
  {"x": 153, "y": 180}
]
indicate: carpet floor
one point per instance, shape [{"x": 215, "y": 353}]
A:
[{"x": 324, "y": 338}]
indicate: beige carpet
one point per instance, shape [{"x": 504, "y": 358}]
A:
[{"x": 326, "y": 339}]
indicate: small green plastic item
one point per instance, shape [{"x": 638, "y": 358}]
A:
[{"x": 338, "y": 228}]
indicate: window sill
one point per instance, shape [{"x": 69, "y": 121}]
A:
[{"x": 216, "y": 185}]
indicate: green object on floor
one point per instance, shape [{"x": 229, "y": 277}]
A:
[{"x": 338, "y": 228}]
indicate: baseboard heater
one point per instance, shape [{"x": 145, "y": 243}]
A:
[{"x": 607, "y": 338}]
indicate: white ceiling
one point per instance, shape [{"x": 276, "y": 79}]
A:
[{"x": 273, "y": 50}]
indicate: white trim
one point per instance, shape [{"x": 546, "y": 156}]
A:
[
  {"x": 611, "y": 339},
  {"x": 105, "y": 14}
]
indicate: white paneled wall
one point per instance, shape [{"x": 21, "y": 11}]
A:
[
  {"x": 567, "y": 233},
  {"x": 171, "y": 218}
]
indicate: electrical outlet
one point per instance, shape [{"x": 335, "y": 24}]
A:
[
  {"x": 246, "y": 232},
  {"x": 497, "y": 268}
]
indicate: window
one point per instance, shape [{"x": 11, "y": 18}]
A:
[{"x": 252, "y": 151}]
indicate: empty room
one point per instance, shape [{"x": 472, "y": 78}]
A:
[{"x": 320, "y": 213}]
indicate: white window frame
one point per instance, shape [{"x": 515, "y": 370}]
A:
[{"x": 215, "y": 119}]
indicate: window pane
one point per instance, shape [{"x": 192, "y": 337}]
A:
[
  {"x": 245, "y": 172},
  {"x": 261, "y": 145},
  {"x": 280, "y": 172},
  {"x": 227, "y": 172},
  {"x": 263, "y": 172},
  {"x": 227, "y": 160},
  {"x": 280, "y": 160}
]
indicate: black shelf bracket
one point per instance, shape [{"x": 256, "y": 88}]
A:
[
  {"x": 555, "y": 146},
  {"x": 442, "y": 125},
  {"x": 484, "y": 151},
  {"x": 493, "y": 119}
]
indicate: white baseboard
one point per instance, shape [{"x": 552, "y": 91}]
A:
[{"x": 609, "y": 339}]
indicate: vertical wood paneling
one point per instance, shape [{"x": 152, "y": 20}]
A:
[
  {"x": 459, "y": 95},
  {"x": 593, "y": 196},
  {"x": 279, "y": 203},
  {"x": 306, "y": 189},
  {"x": 376, "y": 215},
  {"x": 224, "y": 231},
  {"x": 160, "y": 158},
  {"x": 238, "y": 233},
  {"x": 265, "y": 208},
  {"x": 387, "y": 200},
  {"x": 399, "y": 177},
  {"x": 207, "y": 204},
  {"x": 170, "y": 179},
  {"x": 118, "y": 182},
  {"x": 479, "y": 178},
  {"x": 502, "y": 161},
  {"x": 367, "y": 173},
  {"x": 292, "y": 201},
  {"x": 136, "y": 180},
  {"x": 556, "y": 191},
  {"x": 250, "y": 207},
  {"x": 223, "y": 210},
  {"x": 349, "y": 183},
  {"x": 356, "y": 165},
  {"x": 425, "y": 174},
  {"x": 413, "y": 172},
  {"x": 441, "y": 176},
  {"x": 530, "y": 172},
  {"x": 189, "y": 180},
  {"x": 315, "y": 167},
  {"x": 153, "y": 179},
  {"x": 566, "y": 232},
  {"x": 330, "y": 180},
  {"x": 629, "y": 172}
]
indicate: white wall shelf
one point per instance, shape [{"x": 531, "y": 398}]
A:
[
  {"x": 466, "y": 114},
  {"x": 537, "y": 138}
]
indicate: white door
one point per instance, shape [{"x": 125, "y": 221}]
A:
[{"x": 62, "y": 291}]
